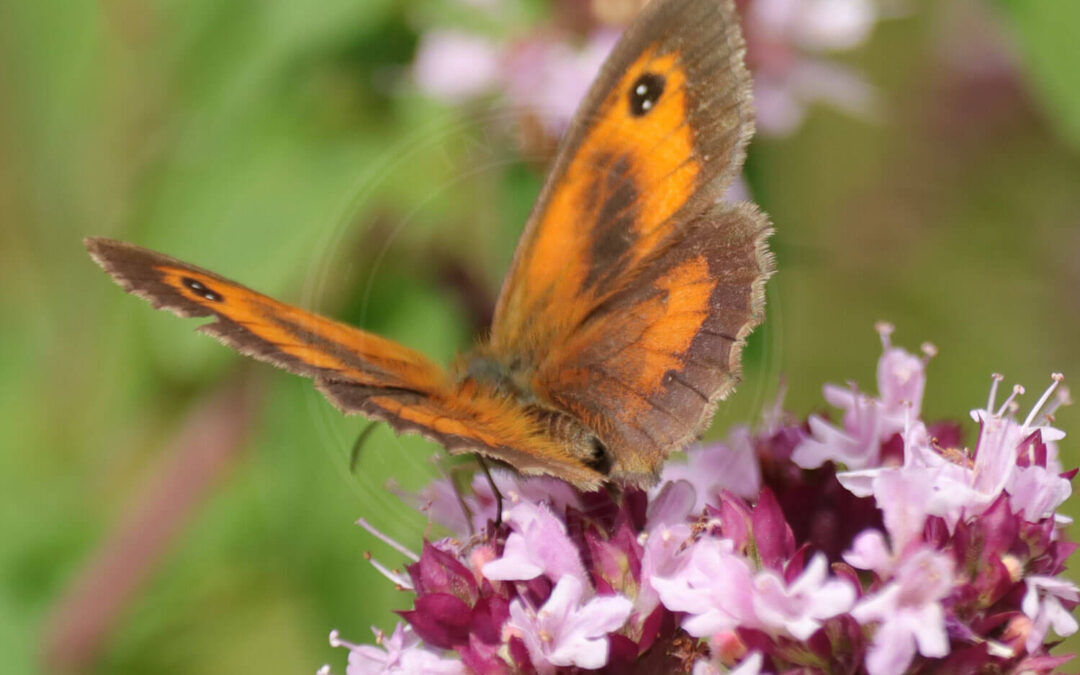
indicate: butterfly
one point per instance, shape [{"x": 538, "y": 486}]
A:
[{"x": 621, "y": 321}]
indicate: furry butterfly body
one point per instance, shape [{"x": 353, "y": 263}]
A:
[{"x": 621, "y": 321}]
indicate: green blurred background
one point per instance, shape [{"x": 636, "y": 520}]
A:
[{"x": 280, "y": 143}]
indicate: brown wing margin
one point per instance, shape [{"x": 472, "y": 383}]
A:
[{"x": 646, "y": 369}]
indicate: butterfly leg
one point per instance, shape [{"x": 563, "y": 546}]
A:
[{"x": 494, "y": 490}]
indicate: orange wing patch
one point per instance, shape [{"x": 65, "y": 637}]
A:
[
  {"x": 657, "y": 150},
  {"x": 673, "y": 319},
  {"x": 630, "y": 175}
]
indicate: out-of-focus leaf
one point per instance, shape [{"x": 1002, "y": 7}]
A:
[{"x": 1046, "y": 32}]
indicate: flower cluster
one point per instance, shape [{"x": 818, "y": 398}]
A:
[
  {"x": 878, "y": 544},
  {"x": 788, "y": 44}
]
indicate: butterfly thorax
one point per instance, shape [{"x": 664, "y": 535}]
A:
[
  {"x": 506, "y": 379},
  {"x": 512, "y": 381}
]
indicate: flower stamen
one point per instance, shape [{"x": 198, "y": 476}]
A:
[
  {"x": 389, "y": 541},
  {"x": 1017, "y": 390},
  {"x": 995, "y": 380},
  {"x": 1057, "y": 379}
]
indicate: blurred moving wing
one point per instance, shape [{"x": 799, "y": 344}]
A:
[{"x": 358, "y": 371}]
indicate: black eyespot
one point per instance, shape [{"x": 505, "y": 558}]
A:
[
  {"x": 600, "y": 461},
  {"x": 645, "y": 92},
  {"x": 200, "y": 288}
]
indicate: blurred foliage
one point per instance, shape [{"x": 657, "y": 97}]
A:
[
  {"x": 1045, "y": 32},
  {"x": 281, "y": 144}
]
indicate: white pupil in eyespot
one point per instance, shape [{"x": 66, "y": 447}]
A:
[{"x": 641, "y": 89}]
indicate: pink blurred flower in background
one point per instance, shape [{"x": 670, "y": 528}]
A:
[
  {"x": 789, "y": 44},
  {"x": 453, "y": 65}
]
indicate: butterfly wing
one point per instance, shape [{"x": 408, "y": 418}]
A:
[
  {"x": 647, "y": 367},
  {"x": 656, "y": 140},
  {"x": 630, "y": 293},
  {"x": 358, "y": 371}
]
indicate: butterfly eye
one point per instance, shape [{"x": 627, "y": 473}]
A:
[
  {"x": 645, "y": 92},
  {"x": 200, "y": 289},
  {"x": 600, "y": 460}
]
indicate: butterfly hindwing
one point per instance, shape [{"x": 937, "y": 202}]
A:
[{"x": 646, "y": 368}]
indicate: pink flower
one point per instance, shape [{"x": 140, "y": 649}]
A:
[
  {"x": 549, "y": 78},
  {"x": 565, "y": 632},
  {"x": 903, "y": 497},
  {"x": 798, "y": 608},
  {"x": 466, "y": 514},
  {"x": 401, "y": 653},
  {"x": 750, "y": 576},
  {"x": 663, "y": 544},
  {"x": 784, "y": 39},
  {"x": 856, "y": 445},
  {"x": 815, "y": 24},
  {"x": 960, "y": 488},
  {"x": 453, "y": 66},
  {"x": 538, "y": 545},
  {"x": 1042, "y": 604},
  {"x": 868, "y": 421},
  {"x": 731, "y": 465},
  {"x": 713, "y": 586},
  {"x": 909, "y": 613},
  {"x": 782, "y": 99},
  {"x": 545, "y": 77},
  {"x": 1036, "y": 492}
]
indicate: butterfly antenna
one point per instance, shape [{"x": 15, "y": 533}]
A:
[
  {"x": 354, "y": 454},
  {"x": 494, "y": 490}
]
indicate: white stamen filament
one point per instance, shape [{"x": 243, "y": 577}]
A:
[
  {"x": 1062, "y": 398},
  {"x": 1057, "y": 379},
  {"x": 885, "y": 330},
  {"x": 395, "y": 578},
  {"x": 387, "y": 540},
  {"x": 995, "y": 380},
  {"x": 1017, "y": 390},
  {"x": 336, "y": 641}
]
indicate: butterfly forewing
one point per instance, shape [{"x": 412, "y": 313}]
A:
[
  {"x": 360, "y": 372},
  {"x": 631, "y": 292},
  {"x": 659, "y": 136}
]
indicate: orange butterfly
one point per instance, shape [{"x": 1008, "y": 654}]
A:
[{"x": 620, "y": 324}]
